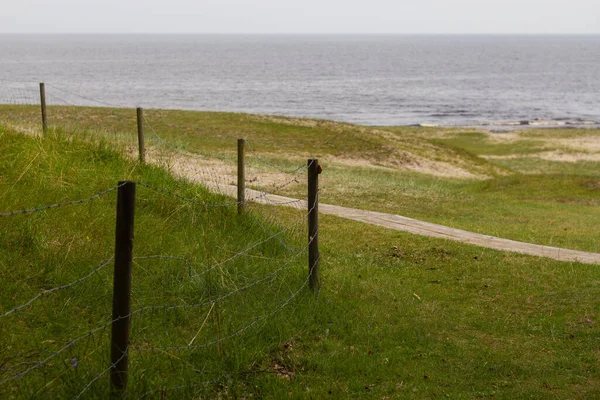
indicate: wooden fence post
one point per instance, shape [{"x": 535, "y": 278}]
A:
[
  {"x": 43, "y": 103},
  {"x": 119, "y": 347},
  {"x": 241, "y": 181},
  {"x": 140, "y": 126},
  {"x": 313, "y": 224}
]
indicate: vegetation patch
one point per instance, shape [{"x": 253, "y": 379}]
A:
[
  {"x": 212, "y": 292},
  {"x": 398, "y": 316}
]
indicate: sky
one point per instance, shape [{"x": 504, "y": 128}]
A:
[{"x": 301, "y": 16}]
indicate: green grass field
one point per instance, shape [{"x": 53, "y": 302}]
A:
[
  {"x": 436, "y": 175},
  {"x": 51, "y": 248},
  {"x": 399, "y": 316}
]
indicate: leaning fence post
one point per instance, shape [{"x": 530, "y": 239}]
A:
[
  {"x": 140, "y": 126},
  {"x": 313, "y": 224},
  {"x": 43, "y": 103},
  {"x": 122, "y": 286},
  {"x": 241, "y": 181}
]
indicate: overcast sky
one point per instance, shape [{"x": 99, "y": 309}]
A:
[{"x": 300, "y": 16}]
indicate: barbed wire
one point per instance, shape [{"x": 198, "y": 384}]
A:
[
  {"x": 18, "y": 81},
  {"x": 67, "y": 203},
  {"x": 154, "y": 131},
  {"x": 232, "y": 204},
  {"x": 167, "y": 257},
  {"x": 101, "y": 374},
  {"x": 48, "y": 291},
  {"x": 83, "y": 97},
  {"x": 20, "y": 95},
  {"x": 71, "y": 343},
  {"x": 240, "y": 253},
  {"x": 239, "y": 331},
  {"x": 60, "y": 99},
  {"x": 214, "y": 178},
  {"x": 284, "y": 203},
  {"x": 300, "y": 202},
  {"x": 269, "y": 201},
  {"x": 262, "y": 194},
  {"x": 226, "y": 375},
  {"x": 262, "y": 160},
  {"x": 266, "y": 162},
  {"x": 275, "y": 189},
  {"x": 167, "y": 192},
  {"x": 229, "y": 294},
  {"x": 268, "y": 231},
  {"x": 245, "y": 251},
  {"x": 234, "y": 137},
  {"x": 279, "y": 187},
  {"x": 177, "y": 149}
]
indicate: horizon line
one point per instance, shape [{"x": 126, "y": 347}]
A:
[{"x": 319, "y": 33}]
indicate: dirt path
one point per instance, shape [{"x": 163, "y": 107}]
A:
[{"x": 422, "y": 228}]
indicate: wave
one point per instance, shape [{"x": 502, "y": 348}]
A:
[{"x": 533, "y": 123}]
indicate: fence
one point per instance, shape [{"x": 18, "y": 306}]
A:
[
  {"x": 36, "y": 370},
  {"x": 161, "y": 138}
]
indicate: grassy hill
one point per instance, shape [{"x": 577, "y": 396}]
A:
[
  {"x": 279, "y": 138},
  {"x": 399, "y": 316},
  {"x": 180, "y": 271},
  {"x": 538, "y": 186}
]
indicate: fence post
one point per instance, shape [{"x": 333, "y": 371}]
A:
[
  {"x": 43, "y": 103},
  {"x": 122, "y": 287},
  {"x": 241, "y": 181},
  {"x": 313, "y": 224},
  {"x": 140, "y": 126}
]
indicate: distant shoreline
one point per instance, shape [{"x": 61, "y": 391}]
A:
[
  {"x": 297, "y": 34},
  {"x": 390, "y": 80},
  {"x": 520, "y": 125}
]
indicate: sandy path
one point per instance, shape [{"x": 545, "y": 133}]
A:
[
  {"x": 197, "y": 171},
  {"x": 181, "y": 166},
  {"x": 422, "y": 228}
]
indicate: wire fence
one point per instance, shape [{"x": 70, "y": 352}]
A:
[
  {"x": 170, "y": 140},
  {"x": 17, "y": 370},
  {"x": 206, "y": 282},
  {"x": 205, "y": 164}
]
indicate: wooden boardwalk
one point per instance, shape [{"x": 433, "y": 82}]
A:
[{"x": 423, "y": 228}]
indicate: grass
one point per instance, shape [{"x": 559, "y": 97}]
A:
[
  {"x": 215, "y": 133},
  {"x": 399, "y": 316},
  {"x": 410, "y": 317},
  {"x": 511, "y": 207},
  {"x": 48, "y": 249},
  {"x": 480, "y": 144},
  {"x": 402, "y": 170}
]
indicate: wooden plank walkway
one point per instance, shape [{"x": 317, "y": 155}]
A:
[{"x": 423, "y": 228}]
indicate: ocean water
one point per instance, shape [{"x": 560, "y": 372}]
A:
[{"x": 370, "y": 79}]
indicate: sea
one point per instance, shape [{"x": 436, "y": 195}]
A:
[{"x": 445, "y": 80}]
